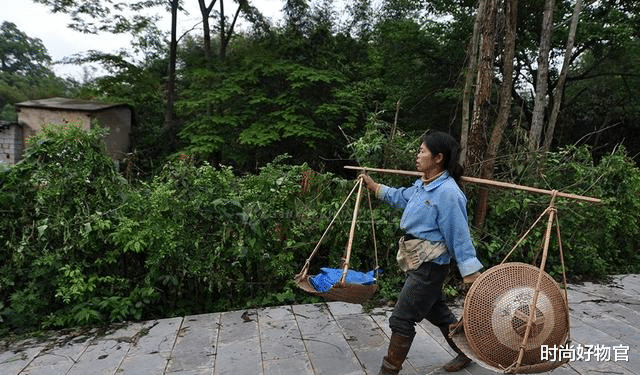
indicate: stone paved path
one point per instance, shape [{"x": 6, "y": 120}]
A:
[{"x": 329, "y": 338}]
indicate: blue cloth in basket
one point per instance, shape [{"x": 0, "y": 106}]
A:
[{"x": 329, "y": 276}]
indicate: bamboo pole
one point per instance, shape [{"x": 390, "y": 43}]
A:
[
  {"x": 482, "y": 181},
  {"x": 347, "y": 253}
]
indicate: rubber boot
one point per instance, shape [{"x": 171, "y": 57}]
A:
[
  {"x": 397, "y": 352},
  {"x": 461, "y": 360}
]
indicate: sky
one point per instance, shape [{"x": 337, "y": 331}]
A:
[{"x": 36, "y": 21}]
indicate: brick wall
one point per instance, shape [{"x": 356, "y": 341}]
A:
[{"x": 10, "y": 143}]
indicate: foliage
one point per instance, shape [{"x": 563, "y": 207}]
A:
[
  {"x": 25, "y": 71},
  {"x": 597, "y": 239},
  {"x": 141, "y": 88},
  {"x": 282, "y": 93},
  {"x": 82, "y": 246},
  {"x": 20, "y": 54},
  {"x": 57, "y": 204}
]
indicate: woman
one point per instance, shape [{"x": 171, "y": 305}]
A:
[{"x": 437, "y": 231}]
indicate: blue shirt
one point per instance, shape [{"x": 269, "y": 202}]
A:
[{"x": 437, "y": 212}]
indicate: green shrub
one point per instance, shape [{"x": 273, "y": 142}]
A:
[
  {"x": 58, "y": 204},
  {"x": 597, "y": 239},
  {"x": 82, "y": 246}
]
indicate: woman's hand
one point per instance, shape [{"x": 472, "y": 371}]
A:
[
  {"x": 369, "y": 183},
  {"x": 470, "y": 279}
]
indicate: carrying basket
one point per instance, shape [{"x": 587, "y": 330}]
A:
[{"x": 341, "y": 290}]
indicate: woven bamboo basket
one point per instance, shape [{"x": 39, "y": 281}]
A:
[
  {"x": 351, "y": 293},
  {"x": 499, "y": 327}
]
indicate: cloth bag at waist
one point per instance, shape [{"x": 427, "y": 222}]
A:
[{"x": 412, "y": 252}]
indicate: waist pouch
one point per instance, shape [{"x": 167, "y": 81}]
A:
[{"x": 413, "y": 252}]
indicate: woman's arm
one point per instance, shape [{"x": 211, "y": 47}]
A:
[{"x": 454, "y": 226}]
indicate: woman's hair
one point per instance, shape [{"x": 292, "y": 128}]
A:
[{"x": 442, "y": 143}]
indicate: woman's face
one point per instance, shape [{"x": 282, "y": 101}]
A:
[{"x": 427, "y": 163}]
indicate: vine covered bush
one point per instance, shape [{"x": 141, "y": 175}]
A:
[
  {"x": 598, "y": 239},
  {"x": 80, "y": 245}
]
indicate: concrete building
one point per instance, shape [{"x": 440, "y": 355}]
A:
[{"x": 34, "y": 113}]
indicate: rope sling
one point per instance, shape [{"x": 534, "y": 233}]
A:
[{"x": 343, "y": 290}]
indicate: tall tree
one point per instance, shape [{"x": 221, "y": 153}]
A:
[
  {"x": 480, "y": 123},
  {"x": 227, "y": 32},
  {"x": 558, "y": 93},
  {"x": 205, "y": 13},
  {"x": 25, "y": 70},
  {"x": 541, "y": 98},
  {"x": 20, "y": 54},
  {"x": 470, "y": 73},
  {"x": 502, "y": 119},
  {"x": 169, "y": 123}
]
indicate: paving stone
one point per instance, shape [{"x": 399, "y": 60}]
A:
[
  {"x": 584, "y": 334},
  {"x": 58, "y": 357},
  {"x": 280, "y": 339},
  {"x": 330, "y": 354},
  {"x": 296, "y": 365},
  {"x": 238, "y": 348},
  {"x": 152, "y": 350},
  {"x": 277, "y": 313},
  {"x": 314, "y": 319},
  {"x": 101, "y": 357},
  {"x": 106, "y": 351},
  {"x": 329, "y": 351},
  {"x": 630, "y": 283},
  {"x": 13, "y": 361},
  {"x": 195, "y": 347},
  {"x": 332, "y": 338},
  {"x": 367, "y": 340},
  {"x": 343, "y": 308}
]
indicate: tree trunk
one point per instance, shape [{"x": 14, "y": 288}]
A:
[
  {"x": 482, "y": 100},
  {"x": 205, "y": 12},
  {"x": 229, "y": 33},
  {"x": 171, "y": 78},
  {"x": 537, "y": 119},
  {"x": 222, "y": 52},
  {"x": 557, "y": 96},
  {"x": 472, "y": 60},
  {"x": 511, "y": 13}
]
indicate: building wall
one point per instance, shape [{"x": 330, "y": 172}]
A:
[
  {"x": 32, "y": 119},
  {"x": 10, "y": 143},
  {"x": 117, "y": 119}
]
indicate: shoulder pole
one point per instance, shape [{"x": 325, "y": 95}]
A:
[{"x": 481, "y": 181}]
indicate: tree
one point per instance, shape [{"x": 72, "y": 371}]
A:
[
  {"x": 93, "y": 16},
  {"x": 20, "y": 54},
  {"x": 557, "y": 97},
  {"x": 504, "y": 110},
  {"x": 169, "y": 123},
  {"x": 224, "y": 31},
  {"x": 480, "y": 122},
  {"x": 25, "y": 70},
  {"x": 541, "y": 98}
]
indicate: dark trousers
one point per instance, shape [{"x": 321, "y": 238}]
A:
[{"x": 421, "y": 298}]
